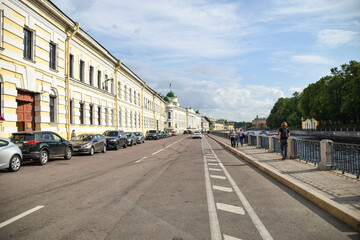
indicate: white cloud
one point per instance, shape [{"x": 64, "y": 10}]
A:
[
  {"x": 311, "y": 59},
  {"x": 336, "y": 37}
]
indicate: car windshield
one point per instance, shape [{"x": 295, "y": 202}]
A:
[
  {"x": 137, "y": 134},
  {"x": 22, "y": 137},
  {"x": 112, "y": 133},
  {"x": 152, "y": 131},
  {"x": 197, "y": 132},
  {"x": 128, "y": 134},
  {"x": 84, "y": 137}
]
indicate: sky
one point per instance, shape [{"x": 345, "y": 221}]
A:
[{"x": 226, "y": 58}]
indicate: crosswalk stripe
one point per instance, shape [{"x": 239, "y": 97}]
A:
[
  {"x": 213, "y": 164},
  {"x": 215, "y": 169},
  {"x": 227, "y": 237}
]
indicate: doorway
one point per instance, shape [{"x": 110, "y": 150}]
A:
[{"x": 25, "y": 111}]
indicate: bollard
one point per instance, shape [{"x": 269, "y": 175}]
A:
[
  {"x": 258, "y": 141},
  {"x": 291, "y": 148},
  {"x": 249, "y": 139},
  {"x": 325, "y": 155},
  {"x": 271, "y": 144}
]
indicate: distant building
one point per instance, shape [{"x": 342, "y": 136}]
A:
[
  {"x": 179, "y": 118},
  {"x": 259, "y": 122},
  {"x": 309, "y": 124}
]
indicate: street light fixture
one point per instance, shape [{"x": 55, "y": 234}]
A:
[{"x": 105, "y": 81}]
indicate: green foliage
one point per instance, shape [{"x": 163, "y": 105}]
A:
[
  {"x": 334, "y": 98},
  {"x": 285, "y": 109}
]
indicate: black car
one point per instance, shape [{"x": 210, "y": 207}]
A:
[
  {"x": 115, "y": 139},
  {"x": 139, "y": 137},
  {"x": 42, "y": 145},
  {"x": 89, "y": 143},
  {"x": 152, "y": 134}
]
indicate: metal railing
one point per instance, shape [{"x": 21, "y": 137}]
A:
[
  {"x": 264, "y": 142},
  {"x": 307, "y": 150},
  {"x": 346, "y": 158}
]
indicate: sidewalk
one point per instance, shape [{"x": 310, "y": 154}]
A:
[{"x": 334, "y": 192}]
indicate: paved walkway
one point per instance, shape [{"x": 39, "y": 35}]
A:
[{"x": 330, "y": 190}]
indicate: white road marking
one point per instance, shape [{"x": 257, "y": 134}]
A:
[
  {"x": 224, "y": 189},
  {"x": 211, "y": 160},
  {"x": 141, "y": 159},
  {"x": 3, "y": 224},
  {"x": 158, "y": 151},
  {"x": 215, "y": 169},
  {"x": 255, "y": 219},
  {"x": 213, "y": 164},
  {"x": 230, "y": 208},
  {"x": 217, "y": 176},
  {"x": 227, "y": 237},
  {"x": 213, "y": 219},
  {"x": 169, "y": 145}
]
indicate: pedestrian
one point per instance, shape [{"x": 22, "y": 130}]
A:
[
  {"x": 73, "y": 135},
  {"x": 232, "y": 137},
  {"x": 236, "y": 138},
  {"x": 284, "y": 133},
  {"x": 241, "y": 135}
]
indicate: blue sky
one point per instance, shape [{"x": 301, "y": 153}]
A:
[{"x": 227, "y": 59}]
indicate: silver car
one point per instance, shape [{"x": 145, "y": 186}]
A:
[
  {"x": 10, "y": 155},
  {"x": 89, "y": 143}
]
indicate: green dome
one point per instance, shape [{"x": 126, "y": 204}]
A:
[
  {"x": 171, "y": 94},
  {"x": 167, "y": 99}
]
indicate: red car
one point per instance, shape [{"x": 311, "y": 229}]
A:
[{"x": 174, "y": 133}]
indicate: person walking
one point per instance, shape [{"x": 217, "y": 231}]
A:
[
  {"x": 241, "y": 136},
  {"x": 284, "y": 133},
  {"x": 232, "y": 137},
  {"x": 236, "y": 138},
  {"x": 73, "y": 135}
]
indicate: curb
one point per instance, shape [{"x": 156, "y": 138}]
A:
[{"x": 342, "y": 213}]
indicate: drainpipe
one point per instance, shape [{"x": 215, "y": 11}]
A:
[
  {"x": 67, "y": 73},
  {"x": 117, "y": 66}
]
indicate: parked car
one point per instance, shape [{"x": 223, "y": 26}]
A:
[
  {"x": 115, "y": 139},
  {"x": 89, "y": 143},
  {"x": 162, "y": 134},
  {"x": 186, "y": 132},
  {"x": 174, "y": 133},
  {"x": 197, "y": 134},
  {"x": 42, "y": 145},
  {"x": 131, "y": 138},
  {"x": 152, "y": 134},
  {"x": 139, "y": 137},
  {"x": 11, "y": 155}
]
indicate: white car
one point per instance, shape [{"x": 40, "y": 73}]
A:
[
  {"x": 11, "y": 156},
  {"x": 197, "y": 134}
]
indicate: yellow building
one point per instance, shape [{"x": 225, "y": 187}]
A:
[
  {"x": 54, "y": 76},
  {"x": 309, "y": 124}
]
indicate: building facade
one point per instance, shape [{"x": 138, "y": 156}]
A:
[
  {"x": 309, "y": 124},
  {"x": 54, "y": 76},
  {"x": 178, "y": 118}
]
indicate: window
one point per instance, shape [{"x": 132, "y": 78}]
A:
[
  {"x": 112, "y": 117},
  {"x": 71, "y": 65},
  {"x": 52, "y": 56},
  {"x": 52, "y": 108},
  {"x": 99, "y": 79},
  {"x": 106, "y": 83},
  {"x": 1, "y": 28},
  {"x": 120, "y": 118},
  {"x": 135, "y": 119},
  {"x": 125, "y": 93},
  {"x": 139, "y": 98},
  {"x": 81, "y": 110},
  {"x": 119, "y": 89},
  {"x": 28, "y": 41},
  {"x": 71, "y": 112},
  {"x": 91, "y": 113},
  {"x": 91, "y": 76},
  {"x": 1, "y": 93},
  {"x": 112, "y": 86},
  {"x": 130, "y": 93},
  {"x": 134, "y": 97},
  {"x": 99, "y": 115},
  {"x": 169, "y": 115},
  {"x": 106, "y": 116},
  {"x": 82, "y": 73}
]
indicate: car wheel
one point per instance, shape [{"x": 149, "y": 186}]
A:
[
  {"x": 117, "y": 146},
  {"x": 104, "y": 149},
  {"x": 92, "y": 151},
  {"x": 135, "y": 142},
  {"x": 125, "y": 145},
  {"x": 44, "y": 157},
  {"x": 15, "y": 163},
  {"x": 132, "y": 143},
  {"x": 68, "y": 153},
  {"x": 143, "y": 141}
]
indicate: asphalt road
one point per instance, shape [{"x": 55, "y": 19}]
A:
[{"x": 174, "y": 188}]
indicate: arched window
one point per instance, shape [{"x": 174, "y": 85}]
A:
[{"x": 53, "y": 102}]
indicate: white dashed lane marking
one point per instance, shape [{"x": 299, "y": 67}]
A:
[
  {"x": 230, "y": 208},
  {"x": 217, "y": 176},
  {"x": 226, "y": 237},
  {"x": 141, "y": 159},
  {"x": 3, "y": 224},
  {"x": 158, "y": 151},
  {"x": 224, "y": 189}
]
